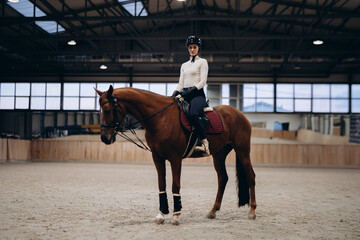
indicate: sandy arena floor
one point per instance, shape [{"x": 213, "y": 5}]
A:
[{"x": 119, "y": 201}]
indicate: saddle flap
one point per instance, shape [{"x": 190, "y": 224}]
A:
[{"x": 214, "y": 125}]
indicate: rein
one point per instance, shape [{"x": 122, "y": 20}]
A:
[{"x": 120, "y": 130}]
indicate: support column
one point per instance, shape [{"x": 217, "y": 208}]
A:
[{"x": 28, "y": 125}]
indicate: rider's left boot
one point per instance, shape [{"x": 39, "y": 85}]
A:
[{"x": 204, "y": 147}]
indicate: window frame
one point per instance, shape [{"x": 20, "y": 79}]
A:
[{"x": 241, "y": 96}]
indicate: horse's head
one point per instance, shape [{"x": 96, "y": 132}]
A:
[{"x": 110, "y": 118}]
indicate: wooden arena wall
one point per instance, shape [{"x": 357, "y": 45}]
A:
[
  {"x": 261, "y": 154},
  {"x": 15, "y": 149}
]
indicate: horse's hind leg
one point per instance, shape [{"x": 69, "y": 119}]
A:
[
  {"x": 219, "y": 164},
  {"x": 246, "y": 181}
]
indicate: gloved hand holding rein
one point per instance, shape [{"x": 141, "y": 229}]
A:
[
  {"x": 188, "y": 93},
  {"x": 175, "y": 93}
]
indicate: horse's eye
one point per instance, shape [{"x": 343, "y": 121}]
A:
[{"x": 105, "y": 110}]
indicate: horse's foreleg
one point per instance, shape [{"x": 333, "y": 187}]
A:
[
  {"x": 219, "y": 164},
  {"x": 163, "y": 201},
  {"x": 176, "y": 174}
]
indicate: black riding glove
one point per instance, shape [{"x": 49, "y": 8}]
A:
[
  {"x": 175, "y": 93},
  {"x": 188, "y": 93}
]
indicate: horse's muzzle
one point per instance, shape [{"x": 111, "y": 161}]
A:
[{"x": 108, "y": 141}]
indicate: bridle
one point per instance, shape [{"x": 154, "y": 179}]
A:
[
  {"x": 115, "y": 124},
  {"x": 120, "y": 128}
]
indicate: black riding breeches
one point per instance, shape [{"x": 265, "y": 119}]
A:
[{"x": 197, "y": 105}]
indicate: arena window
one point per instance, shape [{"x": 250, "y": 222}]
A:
[
  {"x": 71, "y": 96},
  {"x": 165, "y": 89},
  {"x": 159, "y": 88},
  {"x": 53, "y": 96},
  {"x": 302, "y": 94},
  {"x": 229, "y": 94},
  {"x": 355, "y": 98},
  {"x": 332, "y": 98},
  {"x": 45, "y": 96},
  {"x": 38, "y": 94},
  {"x": 170, "y": 88},
  {"x": 339, "y": 101},
  {"x": 321, "y": 98},
  {"x": 22, "y": 94},
  {"x": 285, "y": 97},
  {"x": 7, "y": 95},
  {"x": 87, "y": 96},
  {"x": 213, "y": 94},
  {"x": 258, "y": 97}
]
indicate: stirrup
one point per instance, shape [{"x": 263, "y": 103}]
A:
[{"x": 204, "y": 148}]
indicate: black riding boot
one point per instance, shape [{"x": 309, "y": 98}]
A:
[{"x": 199, "y": 124}]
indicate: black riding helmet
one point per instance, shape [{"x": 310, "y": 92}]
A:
[{"x": 193, "y": 40}]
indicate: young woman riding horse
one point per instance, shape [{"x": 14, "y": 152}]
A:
[{"x": 193, "y": 78}]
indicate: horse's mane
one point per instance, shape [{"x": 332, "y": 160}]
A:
[{"x": 128, "y": 93}]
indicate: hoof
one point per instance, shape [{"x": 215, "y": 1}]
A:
[
  {"x": 159, "y": 219},
  {"x": 175, "y": 220},
  {"x": 211, "y": 216},
  {"x": 252, "y": 214}
]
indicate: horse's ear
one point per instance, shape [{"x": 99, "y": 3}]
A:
[
  {"x": 110, "y": 91},
  {"x": 98, "y": 92}
]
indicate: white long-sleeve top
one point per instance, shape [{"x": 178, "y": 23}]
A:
[{"x": 193, "y": 74}]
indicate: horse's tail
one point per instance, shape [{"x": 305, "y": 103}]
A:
[{"x": 242, "y": 183}]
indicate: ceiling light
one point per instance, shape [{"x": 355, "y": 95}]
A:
[
  {"x": 72, "y": 43},
  {"x": 181, "y": 0},
  {"x": 318, "y": 42},
  {"x": 13, "y": 1},
  {"x": 103, "y": 67}
]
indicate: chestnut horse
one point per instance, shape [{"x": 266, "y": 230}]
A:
[{"x": 167, "y": 141}]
